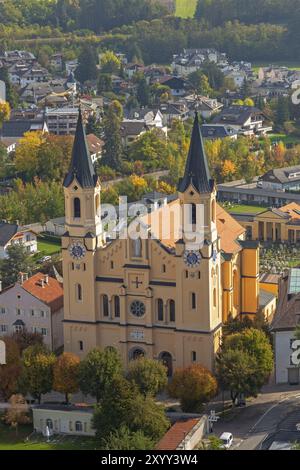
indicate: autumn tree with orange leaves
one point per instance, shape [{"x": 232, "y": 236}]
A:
[
  {"x": 65, "y": 374},
  {"x": 193, "y": 386}
]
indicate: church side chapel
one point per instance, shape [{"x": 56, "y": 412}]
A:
[{"x": 154, "y": 297}]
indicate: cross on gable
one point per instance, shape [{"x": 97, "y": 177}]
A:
[{"x": 137, "y": 282}]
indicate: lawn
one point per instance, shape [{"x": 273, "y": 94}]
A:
[
  {"x": 185, "y": 8},
  {"x": 244, "y": 209},
  {"x": 291, "y": 65},
  {"x": 9, "y": 441},
  {"x": 286, "y": 139},
  {"x": 48, "y": 248}
]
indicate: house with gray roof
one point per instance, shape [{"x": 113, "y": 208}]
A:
[
  {"x": 283, "y": 328},
  {"x": 246, "y": 120},
  {"x": 12, "y": 234},
  {"x": 281, "y": 179}
]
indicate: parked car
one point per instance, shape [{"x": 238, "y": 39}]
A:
[
  {"x": 227, "y": 440},
  {"x": 44, "y": 259}
]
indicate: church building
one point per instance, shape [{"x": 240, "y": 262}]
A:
[{"x": 154, "y": 297}]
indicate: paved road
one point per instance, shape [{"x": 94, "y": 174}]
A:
[{"x": 254, "y": 425}]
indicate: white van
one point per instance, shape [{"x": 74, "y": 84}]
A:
[{"x": 227, "y": 440}]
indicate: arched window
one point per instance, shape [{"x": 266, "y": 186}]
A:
[
  {"x": 78, "y": 292},
  {"x": 117, "y": 306},
  {"x": 78, "y": 426},
  {"x": 163, "y": 268},
  {"x": 172, "y": 310},
  {"x": 215, "y": 297},
  {"x": 194, "y": 214},
  {"x": 105, "y": 306},
  {"x": 160, "y": 310},
  {"x": 136, "y": 353},
  {"x": 77, "y": 208}
]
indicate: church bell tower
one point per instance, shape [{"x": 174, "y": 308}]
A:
[
  {"x": 79, "y": 245},
  {"x": 199, "y": 268}
]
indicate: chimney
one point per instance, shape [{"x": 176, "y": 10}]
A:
[
  {"x": 46, "y": 279},
  {"x": 42, "y": 283},
  {"x": 23, "y": 277}
]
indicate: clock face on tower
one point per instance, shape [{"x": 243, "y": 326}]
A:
[
  {"x": 77, "y": 250},
  {"x": 192, "y": 259}
]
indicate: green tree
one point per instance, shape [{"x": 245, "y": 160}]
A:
[
  {"x": 124, "y": 439},
  {"x": 123, "y": 405},
  {"x": 110, "y": 63},
  {"x": 87, "y": 65},
  {"x": 104, "y": 83},
  {"x": 17, "y": 261},
  {"x": 200, "y": 83},
  {"x": 245, "y": 362},
  {"x": 113, "y": 150},
  {"x": 150, "y": 376},
  {"x": 98, "y": 370},
  {"x": 143, "y": 92},
  {"x": 37, "y": 371},
  {"x": 283, "y": 110}
]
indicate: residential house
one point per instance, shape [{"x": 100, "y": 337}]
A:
[
  {"x": 237, "y": 76},
  {"x": 283, "y": 328},
  {"x": 95, "y": 146},
  {"x": 132, "y": 129},
  {"x": 16, "y": 128},
  {"x": 177, "y": 85},
  {"x": 61, "y": 121},
  {"x": 213, "y": 132},
  {"x": 206, "y": 107},
  {"x": 34, "y": 304},
  {"x": 153, "y": 118},
  {"x": 171, "y": 111},
  {"x": 56, "y": 226},
  {"x": 56, "y": 61},
  {"x": 246, "y": 120},
  {"x": 71, "y": 66},
  {"x": 2, "y": 91},
  {"x": 131, "y": 69},
  {"x": 192, "y": 60},
  {"x": 10, "y": 143},
  {"x": 281, "y": 179},
  {"x": 13, "y": 234},
  {"x": 244, "y": 192},
  {"x": 74, "y": 420}
]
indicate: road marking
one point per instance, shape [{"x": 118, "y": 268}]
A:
[{"x": 267, "y": 412}]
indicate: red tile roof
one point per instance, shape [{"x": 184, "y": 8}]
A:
[
  {"x": 50, "y": 293},
  {"x": 176, "y": 434}
]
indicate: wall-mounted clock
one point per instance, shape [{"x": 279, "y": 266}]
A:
[
  {"x": 192, "y": 259},
  {"x": 77, "y": 250}
]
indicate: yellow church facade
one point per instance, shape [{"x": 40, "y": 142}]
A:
[{"x": 154, "y": 297}]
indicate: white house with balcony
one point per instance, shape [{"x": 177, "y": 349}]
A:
[{"x": 12, "y": 234}]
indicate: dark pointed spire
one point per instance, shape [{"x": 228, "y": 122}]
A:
[
  {"x": 81, "y": 166},
  {"x": 196, "y": 169}
]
